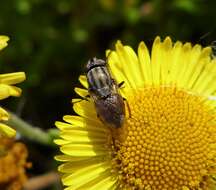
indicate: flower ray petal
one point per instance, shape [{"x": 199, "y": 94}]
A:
[
  {"x": 91, "y": 124},
  {"x": 145, "y": 65},
  {"x": 12, "y": 78},
  {"x": 116, "y": 71},
  {"x": 3, "y": 41},
  {"x": 124, "y": 64},
  {"x": 81, "y": 92},
  {"x": 156, "y": 61},
  {"x": 85, "y": 175},
  {"x": 83, "y": 81},
  {"x": 83, "y": 150},
  {"x": 7, "y": 131}
]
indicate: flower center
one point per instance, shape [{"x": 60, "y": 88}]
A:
[{"x": 165, "y": 141}]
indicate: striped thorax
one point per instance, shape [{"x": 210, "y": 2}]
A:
[{"x": 98, "y": 77}]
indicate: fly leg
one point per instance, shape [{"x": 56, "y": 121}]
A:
[
  {"x": 128, "y": 107},
  {"x": 120, "y": 85}
]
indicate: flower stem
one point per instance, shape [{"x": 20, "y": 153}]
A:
[{"x": 31, "y": 132}]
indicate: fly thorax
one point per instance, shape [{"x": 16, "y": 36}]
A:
[{"x": 98, "y": 77}]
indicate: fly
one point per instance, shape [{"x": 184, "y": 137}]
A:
[{"x": 103, "y": 89}]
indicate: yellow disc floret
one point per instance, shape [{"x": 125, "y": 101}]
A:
[{"x": 166, "y": 142}]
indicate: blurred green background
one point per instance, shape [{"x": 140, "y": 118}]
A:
[{"x": 51, "y": 41}]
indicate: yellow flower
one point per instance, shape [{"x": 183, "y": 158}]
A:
[
  {"x": 168, "y": 140},
  {"x": 6, "y": 90}
]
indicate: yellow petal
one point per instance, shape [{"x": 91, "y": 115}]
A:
[
  {"x": 176, "y": 60},
  {"x": 81, "y": 92},
  {"x": 83, "y": 81},
  {"x": 6, "y": 130},
  {"x": 85, "y": 175},
  {"x": 83, "y": 150},
  {"x": 205, "y": 55},
  {"x": 12, "y": 78},
  {"x": 66, "y": 158},
  {"x": 145, "y": 65},
  {"x": 116, "y": 69},
  {"x": 6, "y": 91},
  {"x": 62, "y": 125},
  {"x": 156, "y": 61},
  {"x": 192, "y": 63},
  {"x": 3, "y": 114},
  {"x": 133, "y": 66},
  {"x": 205, "y": 83},
  {"x": 88, "y": 124},
  {"x": 76, "y": 165},
  {"x": 83, "y": 136},
  {"x": 85, "y": 109},
  {"x": 183, "y": 65},
  {"x": 166, "y": 61},
  {"x": 61, "y": 142},
  {"x": 104, "y": 183},
  {"x": 3, "y": 41},
  {"x": 126, "y": 64}
]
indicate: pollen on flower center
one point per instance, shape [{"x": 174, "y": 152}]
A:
[{"x": 165, "y": 141}]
